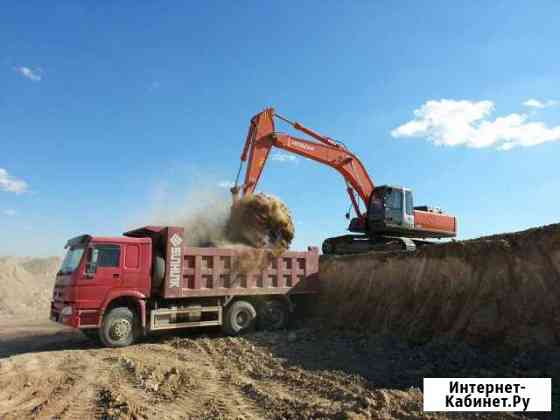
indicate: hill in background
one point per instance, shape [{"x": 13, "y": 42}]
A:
[{"x": 26, "y": 286}]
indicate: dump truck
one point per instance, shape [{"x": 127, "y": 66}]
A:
[
  {"x": 118, "y": 289},
  {"x": 388, "y": 219}
]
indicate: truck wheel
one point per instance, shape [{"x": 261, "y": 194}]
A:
[
  {"x": 120, "y": 328},
  {"x": 273, "y": 315},
  {"x": 239, "y": 318}
]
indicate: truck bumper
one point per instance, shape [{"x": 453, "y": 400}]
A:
[{"x": 75, "y": 318}]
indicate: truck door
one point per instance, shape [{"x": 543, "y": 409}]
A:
[
  {"x": 102, "y": 273},
  {"x": 105, "y": 264}
]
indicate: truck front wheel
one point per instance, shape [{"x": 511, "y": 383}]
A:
[
  {"x": 120, "y": 328},
  {"x": 240, "y": 317}
]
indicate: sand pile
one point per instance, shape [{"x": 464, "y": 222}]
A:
[
  {"x": 260, "y": 221},
  {"x": 498, "y": 290},
  {"x": 26, "y": 286}
]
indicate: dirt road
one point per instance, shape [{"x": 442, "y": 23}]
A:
[{"x": 47, "y": 373}]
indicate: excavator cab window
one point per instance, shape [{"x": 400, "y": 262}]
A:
[{"x": 394, "y": 199}]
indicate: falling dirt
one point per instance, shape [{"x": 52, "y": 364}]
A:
[
  {"x": 211, "y": 220},
  {"x": 305, "y": 373},
  {"x": 497, "y": 290},
  {"x": 261, "y": 221}
]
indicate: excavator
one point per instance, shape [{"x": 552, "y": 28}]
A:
[{"x": 390, "y": 220}]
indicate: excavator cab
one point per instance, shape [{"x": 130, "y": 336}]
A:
[{"x": 391, "y": 208}]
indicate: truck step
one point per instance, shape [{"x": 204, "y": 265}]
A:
[{"x": 168, "y": 319}]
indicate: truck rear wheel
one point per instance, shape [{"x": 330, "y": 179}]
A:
[
  {"x": 120, "y": 328},
  {"x": 240, "y": 317},
  {"x": 273, "y": 315}
]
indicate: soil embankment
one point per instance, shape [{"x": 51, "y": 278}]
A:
[{"x": 496, "y": 290}]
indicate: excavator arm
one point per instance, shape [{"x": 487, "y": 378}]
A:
[{"x": 262, "y": 137}]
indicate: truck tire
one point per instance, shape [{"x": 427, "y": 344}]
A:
[
  {"x": 158, "y": 274},
  {"x": 119, "y": 328},
  {"x": 240, "y": 317},
  {"x": 273, "y": 315}
]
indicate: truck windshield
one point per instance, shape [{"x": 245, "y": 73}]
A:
[{"x": 71, "y": 260}]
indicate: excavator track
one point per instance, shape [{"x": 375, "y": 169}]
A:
[{"x": 357, "y": 244}]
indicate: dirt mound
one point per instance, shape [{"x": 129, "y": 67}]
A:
[
  {"x": 26, "y": 286},
  {"x": 496, "y": 290},
  {"x": 260, "y": 221}
]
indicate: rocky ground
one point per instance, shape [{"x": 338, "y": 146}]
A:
[{"x": 50, "y": 373}]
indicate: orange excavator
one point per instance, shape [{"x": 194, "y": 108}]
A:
[{"x": 390, "y": 220}]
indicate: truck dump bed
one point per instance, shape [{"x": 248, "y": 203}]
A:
[
  {"x": 235, "y": 271},
  {"x": 229, "y": 271}
]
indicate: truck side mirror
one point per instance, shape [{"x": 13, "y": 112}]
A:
[
  {"x": 91, "y": 268},
  {"x": 91, "y": 262}
]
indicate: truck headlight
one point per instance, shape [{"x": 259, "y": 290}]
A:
[{"x": 66, "y": 311}]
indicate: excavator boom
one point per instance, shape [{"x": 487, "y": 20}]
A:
[{"x": 262, "y": 137}]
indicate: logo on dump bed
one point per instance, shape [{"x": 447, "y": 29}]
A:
[
  {"x": 176, "y": 240},
  {"x": 175, "y": 268}
]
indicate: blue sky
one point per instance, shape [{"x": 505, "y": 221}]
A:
[{"x": 108, "y": 108}]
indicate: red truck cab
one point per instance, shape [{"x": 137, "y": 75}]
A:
[{"x": 94, "y": 272}]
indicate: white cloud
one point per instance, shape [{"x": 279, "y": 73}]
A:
[
  {"x": 9, "y": 212},
  {"x": 535, "y": 103},
  {"x": 33, "y": 75},
  {"x": 465, "y": 123},
  {"x": 11, "y": 184},
  {"x": 283, "y": 157},
  {"x": 225, "y": 184}
]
